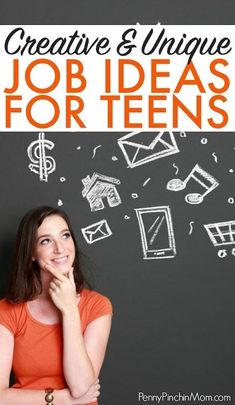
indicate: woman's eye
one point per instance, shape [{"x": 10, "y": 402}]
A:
[
  {"x": 45, "y": 241},
  {"x": 66, "y": 235}
]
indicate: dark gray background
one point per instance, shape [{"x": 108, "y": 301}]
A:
[
  {"x": 117, "y": 12},
  {"x": 173, "y": 326}
]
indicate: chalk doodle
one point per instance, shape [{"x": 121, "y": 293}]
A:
[
  {"x": 231, "y": 200},
  {"x": 231, "y": 170},
  {"x": 156, "y": 231},
  {"x": 134, "y": 195},
  {"x": 41, "y": 163},
  {"x": 60, "y": 203},
  {"x": 139, "y": 148},
  {"x": 97, "y": 187},
  {"x": 176, "y": 167},
  {"x": 114, "y": 158},
  {"x": 94, "y": 150},
  {"x": 222, "y": 253},
  {"x": 78, "y": 147},
  {"x": 146, "y": 181},
  {"x": 221, "y": 234},
  {"x": 62, "y": 179},
  {"x": 97, "y": 231},
  {"x": 191, "y": 227},
  {"x": 183, "y": 134},
  {"x": 201, "y": 177},
  {"x": 215, "y": 157},
  {"x": 126, "y": 217},
  {"x": 204, "y": 141}
]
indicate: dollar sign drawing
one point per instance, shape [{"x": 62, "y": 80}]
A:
[{"x": 41, "y": 164}]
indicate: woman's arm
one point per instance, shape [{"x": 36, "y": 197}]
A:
[
  {"x": 82, "y": 355},
  {"x": 16, "y": 396}
]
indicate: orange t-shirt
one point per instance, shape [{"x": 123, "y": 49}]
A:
[{"x": 38, "y": 347}]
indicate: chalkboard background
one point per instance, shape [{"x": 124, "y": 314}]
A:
[{"x": 173, "y": 327}]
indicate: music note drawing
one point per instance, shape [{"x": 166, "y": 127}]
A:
[{"x": 203, "y": 179}]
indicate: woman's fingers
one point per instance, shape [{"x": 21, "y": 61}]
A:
[
  {"x": 55, "y": 272},
  {"x": 97, "y": 389},
  {"x": 70, "y": 275},
  {"x": 55, "y": 283}
]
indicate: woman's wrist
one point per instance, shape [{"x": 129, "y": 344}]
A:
[
  {"x": 62, "y": 397},
  {"x": 71, "y": 311},
  {"x": 65, "y": 398}
]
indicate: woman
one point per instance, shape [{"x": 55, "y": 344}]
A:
[{"x": 53, "y": 330}]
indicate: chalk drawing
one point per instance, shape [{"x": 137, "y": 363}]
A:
[
  {"x": 97, "y": 231},
  {"x": 215, "y": 157},
  {"x": 114, "y": 158},
  {"x": 222, "y": 253},
  {"x": 62, "y": 179},
  {"x": 139, "y": 148},
  {"x": 146, "y": 181},
  {"x": 200, "y": 176},
  {"x": 156, "y": 231},
  {"x": 191, "y": 227},
  {"x": 134, "y": 195},
  {"x": 97, "y": 187},
  {"x": 231, "y": 200},
  {"x": 176, "y": 167},
  {"x": 94, "y": 150},
  {"x": 41, "y": 163},
  {"x": 60, "y": 203},
  {"x": 204, "y": 141},
  {"x": 183, "y": 134},
  {"x": 221, "y": 233}
]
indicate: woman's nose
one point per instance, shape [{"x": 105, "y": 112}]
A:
[{"x": 58, "y": 246}]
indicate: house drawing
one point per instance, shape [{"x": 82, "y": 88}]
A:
[{"x": 98, "y": 187}]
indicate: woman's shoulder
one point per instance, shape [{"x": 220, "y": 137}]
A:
[
  {"x": 9, "y": 306},
  {"x": 10, "y": 315},
  {"x": 5, "y": 305},
  {"x": 93, "y": 296},
  {"x": 95, "y": 303}
]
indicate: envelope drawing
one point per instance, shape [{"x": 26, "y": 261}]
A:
[
  {"x": 139, "y": 148},
  {"x": 96, "y": 231}
]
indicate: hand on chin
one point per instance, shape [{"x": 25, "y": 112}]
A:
[{"x": 63, "y": 268}]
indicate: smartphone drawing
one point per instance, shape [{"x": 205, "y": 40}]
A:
[{"x": 156, "y": 231}]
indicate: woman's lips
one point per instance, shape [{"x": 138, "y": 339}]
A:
[{"x": 60, "y": 260}]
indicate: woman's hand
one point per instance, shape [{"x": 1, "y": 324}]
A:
[
  {"x": 90, "y": 396},
  {"x": 62, "y": 290}
]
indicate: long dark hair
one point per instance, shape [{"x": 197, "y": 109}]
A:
[{"x": 25, "y": 282}]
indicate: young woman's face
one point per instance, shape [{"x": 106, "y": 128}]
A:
[{"x": 54, "y": 244}]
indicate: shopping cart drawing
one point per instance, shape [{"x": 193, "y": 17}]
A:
[{"x": 222, "y": 234}]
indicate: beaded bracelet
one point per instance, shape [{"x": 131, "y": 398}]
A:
[{"x": 49, "y": 397}]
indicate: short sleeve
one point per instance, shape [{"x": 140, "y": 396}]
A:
[
  {"x": 100, "y": 305},
  {"x": 7, "y": 316}
]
